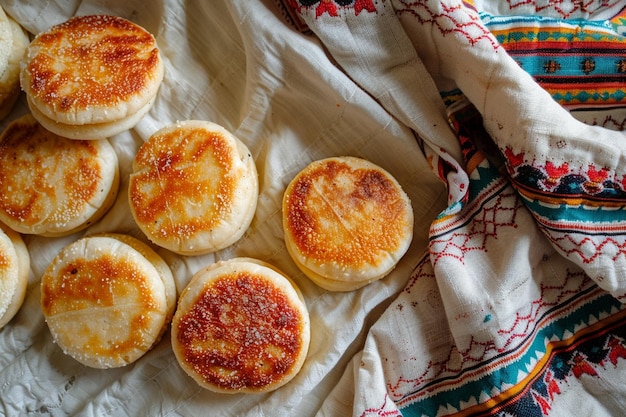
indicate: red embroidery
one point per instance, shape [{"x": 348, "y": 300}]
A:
[
  {"x": 610, "y": 122},
  {"x": 565, "y": 9},
  {"x": 331, "y": 7},
  {"x": 580, "y": 366},
  {"x": 326, "y": 6},
  {"x": 616, "y": 348},
  {"x": 360, "y": 5},
  {"x": 449, "y": 19},
  {"x": 500, "y": 214},
  {"x": 514, "y": 159},
  {"x": 385, "y": 410},
  {"x": 564, "y": 179},
  {"x": 543, "y": 404},
  {"x": 557, "y": 171},
  {"x": 586, "y": 249},
  {"x": 551, "y": 384}
]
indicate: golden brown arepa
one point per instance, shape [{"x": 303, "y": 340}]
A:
[
  {"x": 91, "y": 77},
  {"x": 347, "y": 222},
  {"x": 194, "y": 188},
  {"x": 241, "y": 326},
  {"x": 107, "y": 299},
  {"x": 51, "y": 185},
  {"x": 14, "y": 270}
]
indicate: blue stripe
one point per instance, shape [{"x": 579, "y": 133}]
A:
[
  {"x": 580, "y": 214},
  {"x": 568, "y": 66},
  {"x": 540, "y": 21}
]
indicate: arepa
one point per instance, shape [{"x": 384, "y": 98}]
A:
[
  {"x": 51, "y": 185},
  {"x": 96, "y": 74},
  {"x": 347, "y": 222},
  {"x": 194, "y": 187},
  {"x": 107, "y": 299},
  {"x": 14, "y": 271},
  {"x": 241, "y": 326},
  {"x": 10, "y": 78}
]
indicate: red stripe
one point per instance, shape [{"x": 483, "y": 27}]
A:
[{"x": 573, "y": 47}]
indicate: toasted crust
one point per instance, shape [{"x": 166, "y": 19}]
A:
[
  {"x": 92, "y": 69},
  {"x": 10, "y": 78},
  {"x": 347, "y": 222},
  {"x": 50, "y": 185},
  {"x": 194, "y": 188},
  {"x": 14, "y": 270},
  {"x": 106, "y": 304},
  {"x": 241, "y": 326}
]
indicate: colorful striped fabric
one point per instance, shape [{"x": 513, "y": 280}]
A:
[{"x": 581, "y": 63}]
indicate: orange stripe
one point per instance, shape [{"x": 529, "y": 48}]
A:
[{"x": 564, "y": 199}]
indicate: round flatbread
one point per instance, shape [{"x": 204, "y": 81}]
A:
[
  {"x": 347, "y": 222},
  {"x": 241, "y": 326},
  {"x": 91, "y": 70},
  {"x": 50, "y": 185},
  {"x": 107, "y": 299},
  {"x": 194, "y": 188}
]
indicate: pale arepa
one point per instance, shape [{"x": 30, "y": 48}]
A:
[
  {"x": 97, "y": 73},
  {"x": 107, "y": 299},
  {"x": 14, "y": 271},
  {"x": 51, "y": 185},
  {"x": 10, "y": 78}
]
